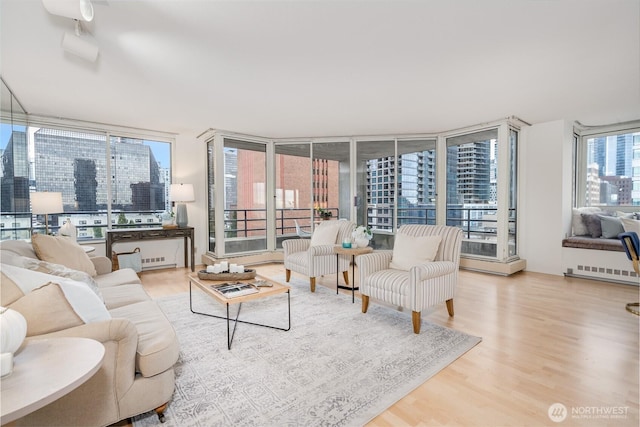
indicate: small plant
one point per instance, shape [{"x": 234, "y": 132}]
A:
[{"x": 324, "y": 214}]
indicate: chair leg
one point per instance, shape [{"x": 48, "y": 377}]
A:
[
  {"x": 160, "y": 411},
  {"x": 415, "y": 319},
  {"x": 345, "y": 274},
  {"x": 312, "y": 282},
  {"x": 365, "y": 303},
  {"x": 450, "y": 306},
  {"x": 287, "y": 275}
]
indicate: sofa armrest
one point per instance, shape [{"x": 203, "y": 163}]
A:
[
  {"x": 292, "y": 246},
  {"x": 321, "y": 250},
  {"x": 432, "y": 270},
  {"x": 102, "y": 264},
  {"x": 120, "y": 339}
]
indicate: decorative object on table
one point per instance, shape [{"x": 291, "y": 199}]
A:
[
  {"x": 45, "y": 203},
  {"x": 245, "y": 275},
  {"x": 69, "y": 230},
  {"x": 131, "y": 260},
  {"x": 346, "y": 243},
  {"x": 13, "y": 327},
  {"x": 168, "y": 219},
  {"x": 181, "y": 193},
  {"x": 324, "y": 214},
  {"x": 361, "y": 236}
]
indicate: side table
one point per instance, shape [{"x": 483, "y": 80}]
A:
[
  {"x": 45, "y": 370},
  {"x": 339, "y": 250}
]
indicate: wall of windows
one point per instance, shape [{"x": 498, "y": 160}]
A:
[
  {"x": 396, "y": 181},
  {"x": 106, "y": 179}
]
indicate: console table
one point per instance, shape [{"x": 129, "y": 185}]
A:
[{"x": 141, "y": 234}]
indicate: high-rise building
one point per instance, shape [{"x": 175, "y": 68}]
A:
[{"x": 14, "y": 184}]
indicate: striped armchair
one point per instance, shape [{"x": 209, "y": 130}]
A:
[
  {"x": 318, "y": 260},
  {"x": 423, "y": 285}
]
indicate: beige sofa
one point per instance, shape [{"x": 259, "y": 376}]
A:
[{"x": 141, "y": 346}]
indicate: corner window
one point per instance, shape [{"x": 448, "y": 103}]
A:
[{"x": 609, "y": 169}]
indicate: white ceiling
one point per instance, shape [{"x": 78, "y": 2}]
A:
[{"x": 321, "y": 68}]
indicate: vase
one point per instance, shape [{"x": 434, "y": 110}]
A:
[
  {"x": 68, "y": 230},
  {"x": 13, "y": 329},
  {"x": 362, "y": 243}
]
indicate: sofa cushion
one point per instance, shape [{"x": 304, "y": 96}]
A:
[
  {"x": 158, "y": 346},
  {"x": 118, "y": 296},
  {"x": 62, "y": 250},
  {"x": 409, "y": 251},
  {"x": 20, "y": 247},
  {"x": 125, "y": 276},
  {"x": 46, "y": 309}
]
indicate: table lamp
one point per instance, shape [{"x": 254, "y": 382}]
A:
[
  {"x": 45, "y": 203},
  {"x": 181, "y": 193}
]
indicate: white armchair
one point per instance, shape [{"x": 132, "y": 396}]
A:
[
  {"x": 316, "y": 257},
  {"x": 405, "y": 277}
]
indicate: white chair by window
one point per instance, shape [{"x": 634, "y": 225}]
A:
[
  {"x": 315, "y": 257},
  {"x": 420, "y": 271},
  {"x": 300, "y": 232}
]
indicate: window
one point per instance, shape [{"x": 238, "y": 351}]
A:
[
  {"x": 609, "y": 169},
  {"x": 129, "y": 177}
]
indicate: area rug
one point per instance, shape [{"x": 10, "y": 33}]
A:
[{"x": 335, "y": 367}]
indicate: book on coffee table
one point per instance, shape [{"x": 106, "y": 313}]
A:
[{"x": 234, "y": 289}]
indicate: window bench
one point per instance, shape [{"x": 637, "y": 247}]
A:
[
  {"x": 597, "y": 258},
  {"x": 600, "y": 244}
]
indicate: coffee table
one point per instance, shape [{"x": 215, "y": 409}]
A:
[{"x": 263, "y": 292}]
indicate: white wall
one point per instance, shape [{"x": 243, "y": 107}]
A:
[
  {"x": 190, "y": 167},
  {"x": 545, "y": 194}
]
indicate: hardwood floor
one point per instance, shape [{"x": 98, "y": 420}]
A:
[{"x": 545, "y": 339}]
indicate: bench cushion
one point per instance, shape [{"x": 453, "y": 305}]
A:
[{"x": 593, "y": 243}]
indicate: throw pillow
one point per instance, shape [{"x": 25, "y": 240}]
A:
[
  {"x": 577, "y": 224},
  {"x": 87, "y": 305},
  {"x": 62, "y": 271},
  {"x": 592, "y": 224},
  {"x": 630, "y": 225},
  {"x": 611, "y": 226},
  {"x": 46, "y": 310},
  {"x": 621, "y": 214},
  {"x": 409, "y": 251},
  {"x": 62, "y": 250},
  {"x": 325, "y": 233},
  {"x": 10, "y": 291}
]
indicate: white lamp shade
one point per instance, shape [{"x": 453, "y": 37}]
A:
[
  {"x": 75, "y": 9},
  {"x": 182, "y": 193},
  {"x": 46, "y": 202},
  {"x": 79, "y": 47}
]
